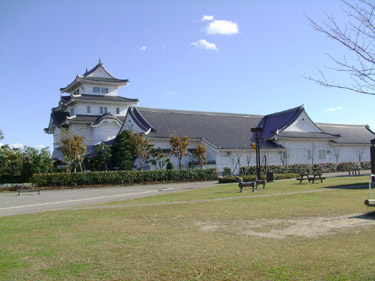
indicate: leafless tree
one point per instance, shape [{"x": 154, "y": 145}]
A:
[
  {"x": 359, "y": 152},
  {"x": 284, "y": 156},
  {"x": 357, "y": 37},
  {"x": 336, "y": 152},
  {"x": 248, "y": 157}
]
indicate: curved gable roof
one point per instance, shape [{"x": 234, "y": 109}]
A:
[{"x": 278, "y": 121}]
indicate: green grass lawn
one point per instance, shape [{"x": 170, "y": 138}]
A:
[{"x": 243, "y": 239}]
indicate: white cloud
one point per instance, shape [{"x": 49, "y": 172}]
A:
[
  {"x": 16, "y": 145},
  {"x": 143, "y": 48},
  {"x": 1, "y": 144},
  {"x": 203, "y": 44},
  {"x": 207, "y": 18},
  {"x": 224, "y": 27},
  {"x": 40, "y": 146},
  {"x": 333, "y": 108}
]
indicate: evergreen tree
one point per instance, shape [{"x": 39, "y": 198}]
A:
[{"x": 123, "y": 155}]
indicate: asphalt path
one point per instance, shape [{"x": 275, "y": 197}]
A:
[{"x": 48, "y": 200}]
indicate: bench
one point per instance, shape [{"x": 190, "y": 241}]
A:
[
  {"x": 28, "y": 190},
  {"x": 258, "y": 182},
  {"x": 242, "y": 184},
  {"x": 310, "y": 177}
]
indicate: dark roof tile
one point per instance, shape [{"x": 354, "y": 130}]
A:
[
  {"x": 349, "y": 134},
  {"x": 223, "y": 130}
]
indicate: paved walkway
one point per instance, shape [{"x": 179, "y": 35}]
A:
[{"x": 31, "y": 202}]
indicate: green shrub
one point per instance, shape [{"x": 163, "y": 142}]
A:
[
  {"x": 121, "y": 177},
  {"x": 302, "y": 168},
  {"x": 227, "y": 172},
  {"x": 253, "y": 177}
]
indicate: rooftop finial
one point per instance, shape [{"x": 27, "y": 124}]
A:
[{"x": 100, "y": 61}]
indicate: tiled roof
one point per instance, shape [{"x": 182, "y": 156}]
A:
[
  {"x": 306, "y": 135},
  {"x": 349, "y": 134},
  {"x": 223, "y": 130},
  {"x": 95, "y": 98},
  {"x": 94, "y": 119},
  {"x": 232, "y": 131},
  {"x": 58, "y": 117},
  {"x": 103, "y": 98},
  {"x": 86, "y": 78},
  {"x": 108, "y": 80},
  {"x": 278, "y": 121}
]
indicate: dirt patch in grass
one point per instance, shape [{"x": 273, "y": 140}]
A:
[{"x": 282, "y": 228}]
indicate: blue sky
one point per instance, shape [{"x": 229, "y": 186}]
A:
[{"x": 223, "y": 56}]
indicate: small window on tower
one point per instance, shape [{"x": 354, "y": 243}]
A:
[
  {"x": 101, "y": 110},
  {"x": 117, "y": 110},
  {"x": 96, "y": 90},
  {"x": 72, "y": 112},
  {"x": 88, "y": 109},
  {"x": 104, "y": 90}
]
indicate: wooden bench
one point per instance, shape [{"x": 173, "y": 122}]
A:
[
  {"x": 242, "y": 184},
  {"x": 28, "y": 190},
  {"x": 258, "y": 182}
]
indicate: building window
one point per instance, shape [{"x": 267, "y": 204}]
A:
[
  {"x": 103, "y": 110},
  {"x": 321, "y": 154},
  {"x": 96, "y": 90},
  {"x": 117, "y": 110},
  {"x": 104, "y": 90},
  {"x": 88, "y": 109},
  {"x": 72, "y": 112},
  {"x": 76, "y": 92}
]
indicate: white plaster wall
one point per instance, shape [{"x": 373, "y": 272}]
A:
[
  {"x": 350, "y": 153},
  {"x": 303, "y": 124},
  {"x": 106, "y": 131},
  {"x": 130, "y": 125},
  {"x": 297, "y": 152},
  {"x": 81, "y": 108},
  {"x": 229, "y": 158},
  {"x": 100, "y": 72}
]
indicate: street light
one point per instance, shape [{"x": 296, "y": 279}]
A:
[
  {"x": 372, "y": 157},
  {"x": 257, "y": 149}
]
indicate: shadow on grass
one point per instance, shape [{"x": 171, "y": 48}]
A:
[{"x": 348, "y": 186}]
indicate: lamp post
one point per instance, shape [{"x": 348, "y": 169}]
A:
[
  {"x": 257, "y": 149},
  {"x": 372, "y": 157}
]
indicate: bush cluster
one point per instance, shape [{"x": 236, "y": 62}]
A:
[
  {"x": 302, "y": 168},
  {"x": 121, "y": 177},
  {"x": 253, "y": 177}
]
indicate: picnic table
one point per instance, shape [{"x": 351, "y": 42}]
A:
[{"x": 310, "y": 177}]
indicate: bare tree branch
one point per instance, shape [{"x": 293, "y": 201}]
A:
[{"x": 357, "y": 36}]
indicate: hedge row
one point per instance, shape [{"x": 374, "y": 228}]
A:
[
  {"x": 121, "y": 177},
  {"x": 301, "y": 168},
  {"x": 253, "y": 177}
]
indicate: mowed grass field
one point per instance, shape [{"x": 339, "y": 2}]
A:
[{"x": 217, "y": 233}]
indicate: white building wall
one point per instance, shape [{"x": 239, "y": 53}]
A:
[
  {"x": 105, "y": 132},
  {"x": 81, "y": 108},
  {"x": 229, "y": 158},
  {"x": 303, "y": 124},
  {"x": 350, "y": 153},
  {"x": 297, "y": 152}
]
